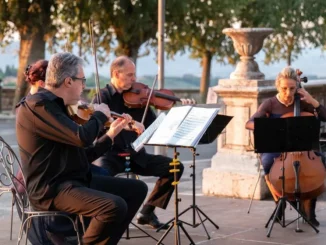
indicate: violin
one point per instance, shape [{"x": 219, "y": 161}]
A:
[
  {"x": 140, "y": 94},
  {"x": 82, "y": 113},
  {"x": 305, "y": 165}
]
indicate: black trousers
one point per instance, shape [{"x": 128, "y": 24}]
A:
[
  {"x": 110, "y": 202},
  {"x": 147, "y": 165}
]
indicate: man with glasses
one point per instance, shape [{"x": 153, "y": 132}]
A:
[
  {"x": 82, "y": 79},
  {"x": 55, "y": 153}
]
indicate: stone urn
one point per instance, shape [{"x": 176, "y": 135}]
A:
[{"x": 247, "y": 42}]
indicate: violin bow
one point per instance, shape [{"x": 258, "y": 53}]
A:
[
  {"x": 149, "y": 97},
  {"x": 97, "y": 79}
]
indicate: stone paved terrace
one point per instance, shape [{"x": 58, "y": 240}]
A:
[{"x": 236, "y": 225}]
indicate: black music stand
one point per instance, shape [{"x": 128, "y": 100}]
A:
[
  {"x": 286, "y": 135},
  {"x": 215, "y": 128}
]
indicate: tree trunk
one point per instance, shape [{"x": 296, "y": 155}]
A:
[
  {"x": 32, "y": 48},
  {"x": 288, "y": 58},
  {"x": 128, "y": 49},
  {"x": 133, "y": 53},
  {"x": 205, "y": 76}
]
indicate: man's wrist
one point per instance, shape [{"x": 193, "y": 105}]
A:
[{"x": 315, "y": 103}]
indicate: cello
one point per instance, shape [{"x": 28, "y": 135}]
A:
[{"x": 303, "y": 171}]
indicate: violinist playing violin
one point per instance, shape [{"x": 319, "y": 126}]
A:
[
  {"x": 55, "y": 153},
  {"x": 275, "y": 107},
  {"x": 123, "y": 76}
]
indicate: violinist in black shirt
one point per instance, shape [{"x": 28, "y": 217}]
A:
[
  {"x": 55, "y": 153},
  {"x": 123, "y": 75}
]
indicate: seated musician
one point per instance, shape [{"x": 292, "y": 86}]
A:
[
  {"x": 281, "y": 104},
  {"x": 56, "y": 164},
  {"x": 35, "y": 75},
  {"x": 44, "y": 228},
  {"x": 123, "y": 75}
]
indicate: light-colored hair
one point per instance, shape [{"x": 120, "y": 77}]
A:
[
  {"x": 61, "y": 66},
  {"x": 287, "y": 73},
  {"x": 119, "y": 62}
]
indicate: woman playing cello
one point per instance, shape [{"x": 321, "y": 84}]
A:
[{"x": 275, "y": 107}]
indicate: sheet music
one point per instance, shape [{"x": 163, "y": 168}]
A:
[
  {"x": 169, "y": 125},
  {"x": 144, "y": 137},
  {"x": 183, "y": 126},
  {"x": 190, "y": 130}
]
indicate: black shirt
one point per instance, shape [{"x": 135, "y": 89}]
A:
[
  {"x": 52, "y": 146},
  {"x": 115, "y": 101}
]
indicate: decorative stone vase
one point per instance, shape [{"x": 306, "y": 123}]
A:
[{"x": 247, "y": 42}]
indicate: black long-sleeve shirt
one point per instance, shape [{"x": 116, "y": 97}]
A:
[{"x": 53, "y": 148}]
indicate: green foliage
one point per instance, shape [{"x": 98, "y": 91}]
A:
[
  {"x": 26, "y": 17},
  {"x": 201, "y": 30},
  {"x": 90, "y": 82},
  {"x": 9, "y": 71},
  {"x": 74, "y": 28},
  {"x": 297, "y": 25}
]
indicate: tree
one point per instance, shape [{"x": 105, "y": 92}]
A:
[
  {"x": 296, "y": 24},
  {"x": 201, "y": 33},
  {"x": 72, "y": 19},
  {"x": 10, "y": 71},
  {"x": 32, "y": 20}
]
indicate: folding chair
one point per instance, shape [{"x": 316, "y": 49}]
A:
[
  {"x": 6, "y": 187},
  {"x": 8, "y": 159}
]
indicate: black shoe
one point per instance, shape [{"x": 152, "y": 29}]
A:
[
  {"x": 314, "y": 221},
  {"x": 151, "y": 220}
]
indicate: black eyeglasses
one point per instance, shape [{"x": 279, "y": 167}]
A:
[{"x": 80, "y": 78}]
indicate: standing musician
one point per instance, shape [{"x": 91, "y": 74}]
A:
[
  {"x": 56, "y": 164},
  {"x": 275, "y": 107},
  {"x": 123, "y": 75}
]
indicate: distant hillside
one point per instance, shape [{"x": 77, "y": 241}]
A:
[
  {"x": 184, "y": 82},
  {"x": 311, "y": 62}
]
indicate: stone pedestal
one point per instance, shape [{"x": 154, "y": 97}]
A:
[{"x": 235, "y": 167}]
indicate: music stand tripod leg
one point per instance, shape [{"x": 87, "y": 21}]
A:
[
  {"x": 194, "y": 207},
  {"x": 296, "y": 166},
  {"x": 280, "y": 205},
  {"x": 128, "y": 173},
  {"x": 176, "y": 223}
]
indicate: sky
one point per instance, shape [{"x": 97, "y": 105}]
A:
[{"x": 311, "y": 62}]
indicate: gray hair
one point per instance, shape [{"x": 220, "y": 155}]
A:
[
  {"x": 287, "y": 73},
  {"x": 61, "y": 66},
  {"x": 118, "y": 63}
]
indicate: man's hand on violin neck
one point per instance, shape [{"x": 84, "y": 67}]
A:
[
  {"x": 187, "y": 101},
  {"x": 137, "y": 127},
  {"x": 103, "y": 108},
  {"x": 117, "y": 125}
]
